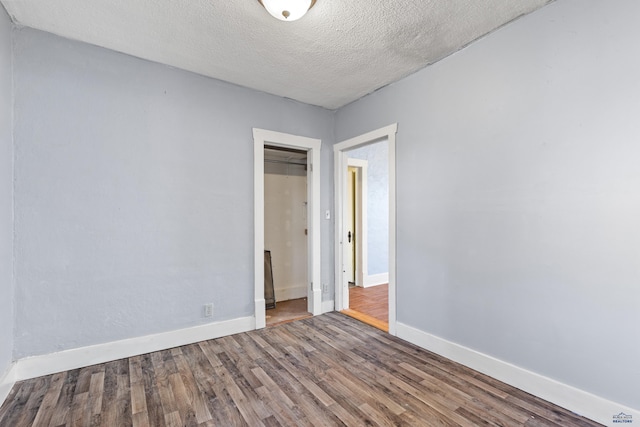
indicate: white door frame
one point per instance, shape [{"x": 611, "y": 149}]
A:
[
  {"x": 340, "y": 182},
  {"x": 261, "y": 138}
]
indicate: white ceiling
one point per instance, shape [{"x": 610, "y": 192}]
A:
[{"x": 340, "y": 51}]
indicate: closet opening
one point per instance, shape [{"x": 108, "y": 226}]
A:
[
  {"x": 295, "y": 228},
  {"x": 285, "y": 234}
]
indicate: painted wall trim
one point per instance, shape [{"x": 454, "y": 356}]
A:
[
  {"x": 366, "y": 138},
  {"x": 376, "y": 279},
  {"x": 566, "y": 396},
  {"x": 328, "y": 306},
  {"x": 36, "y": 366},
  {"x": 7, "y": 380}
]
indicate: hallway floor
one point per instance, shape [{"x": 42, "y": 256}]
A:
[
  {"x": 287, "y": 311},
  {"x": 370, "y": 305}
]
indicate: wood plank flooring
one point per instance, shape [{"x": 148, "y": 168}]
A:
[
  {"x": 287, "y": 311},
  {"x": 328, "y": 370},
  {"x": 370, "y": 305},
  {"x": 373, "y": 301}
]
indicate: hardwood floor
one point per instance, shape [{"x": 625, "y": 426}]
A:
[
  {"x": 370, "y": 305},
  {"x": 287, "y": 311},
  {"x": 325, "y": 370}
]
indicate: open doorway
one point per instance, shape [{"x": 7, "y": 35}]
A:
[
  {"x": 367, "y": 222},
  {"x": 285, "y": 234},
  {"x": 311, "y": 211},
  {"x": 365, "y": 227}
]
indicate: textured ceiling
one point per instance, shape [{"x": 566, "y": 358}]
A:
[{"x": 340, "y": 51}]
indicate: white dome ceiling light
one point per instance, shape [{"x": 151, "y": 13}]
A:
[{"x": 287, "y": 10}]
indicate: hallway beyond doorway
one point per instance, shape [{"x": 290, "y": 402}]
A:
[{"x": 370, "y": 305}]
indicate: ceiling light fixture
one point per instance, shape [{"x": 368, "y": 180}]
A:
[{"x": 287, "y": 10}]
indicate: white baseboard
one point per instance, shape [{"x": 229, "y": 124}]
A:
[
  {"x": 36, "y": 366},
  {"x": 7, "y": 380},
  {"x": 375, "y": 280},
  {"x": 285, "y": 294},
  {"x": 328, "y": 306},
  {"x": 566, "y": 396}
]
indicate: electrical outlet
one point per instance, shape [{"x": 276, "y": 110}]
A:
[
  {"x": 208, "y": 310},
  {"x": 325, "y": 288}
]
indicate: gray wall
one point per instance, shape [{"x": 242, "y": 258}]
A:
[
  {"x": 6, "y": 196},
  {"x": 518, "y": 202},
  {"x": 377, "y": 157},
  {"x": 134, "y": 193}
]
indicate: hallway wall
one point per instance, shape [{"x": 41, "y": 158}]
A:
[{"x": 377, "y": 156}]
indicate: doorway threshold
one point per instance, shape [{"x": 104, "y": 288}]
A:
[
  {"x": 287, "y": 311},
  {"x": 365, "y": 318}
]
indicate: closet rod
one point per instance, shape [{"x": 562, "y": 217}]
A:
[{"x": 284, "y": 162}]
